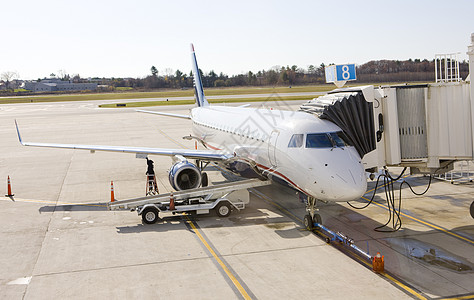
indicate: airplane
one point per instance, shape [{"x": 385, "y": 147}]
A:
[{"x": 296, "y": 148}]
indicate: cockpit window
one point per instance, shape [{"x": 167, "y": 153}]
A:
[
  {"x": 318, "y": 140},
  {"x": 340, "y": 139},
  {"x": 296, "y": 141},
  {"x": 327, "y": 140}
]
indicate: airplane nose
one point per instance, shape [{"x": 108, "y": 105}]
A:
[{"x": 349, "y": 185}]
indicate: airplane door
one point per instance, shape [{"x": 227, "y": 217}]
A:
[{"x": 272, "y": 147}]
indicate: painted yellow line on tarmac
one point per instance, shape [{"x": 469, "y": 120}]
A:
[
  {"x": 427, "y": 224},
  {"x": 204, "y": 242},
  {"x": 421, "y": 221},
  {"x": 403, "y": 286},
  {"x": 219, "y": 261},
  {"x": 394, "y": 280},
  {"x": 459, "y": 297}
]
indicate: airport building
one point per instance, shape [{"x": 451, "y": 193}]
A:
[{"x": 53, "y": 84}]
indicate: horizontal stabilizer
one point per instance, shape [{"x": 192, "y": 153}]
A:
[{"x": 164, "y": 114}]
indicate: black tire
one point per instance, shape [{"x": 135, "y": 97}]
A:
[
  {"x": 308, "y": 222},
  {"x": 472, "y": 209},
  {"x": 150, "y": 215},
  {"x": 204, "y": 179},
  {"x": 223, "y": 209},
  {"x": 317, "y": 219}
]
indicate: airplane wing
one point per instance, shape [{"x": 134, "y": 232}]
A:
[
  {"x": 191, "y": 154},
  {"x": 164, "y": 114}
]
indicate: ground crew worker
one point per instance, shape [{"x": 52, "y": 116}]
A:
[{"x": 151, "y": 173}]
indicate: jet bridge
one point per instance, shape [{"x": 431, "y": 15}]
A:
[{"x": 425, "y": 127}]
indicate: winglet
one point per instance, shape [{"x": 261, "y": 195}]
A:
[
  {"x": 18, "y": 132},
  {"x": 198, "y": 89}
]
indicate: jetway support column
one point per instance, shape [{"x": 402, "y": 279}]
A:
[{"x": 470, "y": 53}]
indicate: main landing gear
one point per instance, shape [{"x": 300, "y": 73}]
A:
[{"x": 311, "y": 217}]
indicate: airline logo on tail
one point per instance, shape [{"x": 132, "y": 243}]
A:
[{"x": 198, "y": 89}]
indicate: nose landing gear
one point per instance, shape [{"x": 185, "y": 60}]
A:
[{"x": 312, "y": 217}]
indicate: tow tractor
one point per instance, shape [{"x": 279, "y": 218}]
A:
[{"x": 223, "y": 198}]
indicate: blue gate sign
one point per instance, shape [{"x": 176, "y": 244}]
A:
[{"x": 345, "y": 72}]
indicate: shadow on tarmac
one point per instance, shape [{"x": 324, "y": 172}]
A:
[
  {"x": 97, "y": 206},
  {"x": 249, "y": 217}
]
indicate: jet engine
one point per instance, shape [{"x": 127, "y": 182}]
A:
[{"x": 184, "y": 175}]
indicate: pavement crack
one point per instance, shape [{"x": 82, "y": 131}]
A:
[
  {"x": 49, "y": 224},
  {"x": 122, "y": 266}
]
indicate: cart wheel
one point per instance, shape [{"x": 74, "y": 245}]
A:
[
  {"x": 204, "y": 179},
  {"x": 150, "y": 215},
  {"x": 472, "y": 209},
  {"x": 308, "y": 222},
  {"x": 223, "y": 209}
]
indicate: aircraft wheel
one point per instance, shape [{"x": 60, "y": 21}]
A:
[
  {"x": 308, "y": 222},
  {"x": 317, "y": 219},
  {"x": 472, "y": 209},
  {"x": 204, "y": 180},
  {"x": 150, "y": 215},
  {"x": 223, "y": 209}
]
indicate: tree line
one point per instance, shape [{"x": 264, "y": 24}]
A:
[{"x": 376, "y": 71}]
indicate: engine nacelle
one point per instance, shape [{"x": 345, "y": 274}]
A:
[{"x": 184, "y": 175}]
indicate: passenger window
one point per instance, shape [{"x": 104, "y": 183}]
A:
[
  {"x": 318, "y": 140},
  {"x": 296, "y": 141}
]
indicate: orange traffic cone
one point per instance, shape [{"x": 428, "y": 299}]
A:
[
  {"x": 172, "y": 202},
  {"x": 195, "y": 145},
  {"x": 378, "y": 263},
  {"x": 112, "y": 195},
  {"x": 9, "y": 188}
]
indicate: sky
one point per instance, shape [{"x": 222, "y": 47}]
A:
[{"x": 125, "y": 38}]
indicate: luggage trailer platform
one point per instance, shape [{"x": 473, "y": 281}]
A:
[{"x": 221, "y": 197}]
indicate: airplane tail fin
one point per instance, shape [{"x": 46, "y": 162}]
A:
[{"x": 198, "y": 89}]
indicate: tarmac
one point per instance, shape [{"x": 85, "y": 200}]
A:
[{"x": 58, "y": 240}]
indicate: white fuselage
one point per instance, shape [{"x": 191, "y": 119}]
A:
[{"x": 263, "y": 135}]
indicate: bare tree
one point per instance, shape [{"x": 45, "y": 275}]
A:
[
  {"x": 63, "y": 75},
  {"x": 169, "y": 72},
  {"x": 8, "y": 76}
]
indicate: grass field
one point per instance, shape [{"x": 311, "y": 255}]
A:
[
  {"x": 227, "y": 100},
  {"x": 166, "y": 94}
]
